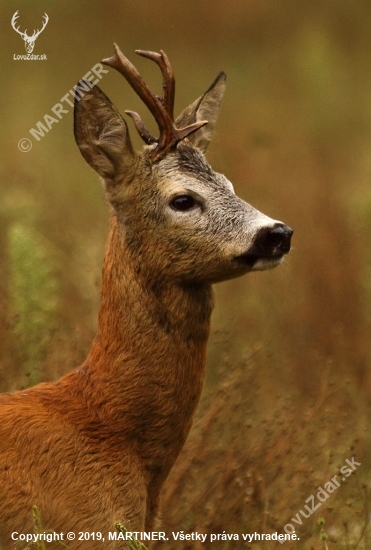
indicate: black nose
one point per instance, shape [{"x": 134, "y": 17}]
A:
[
  {"x": 276, "y": 238},
  {"x": 270, "y": 243}
]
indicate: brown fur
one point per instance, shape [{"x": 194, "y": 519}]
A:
[{"x": 96, "y": 446}]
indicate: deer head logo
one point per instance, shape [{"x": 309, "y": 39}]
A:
[{"x": 29, "y": 41}]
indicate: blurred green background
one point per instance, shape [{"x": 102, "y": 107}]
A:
[{"x": 294, "y": 136}]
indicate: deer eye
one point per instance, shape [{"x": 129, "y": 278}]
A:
[{"x": 183, "y": 203}]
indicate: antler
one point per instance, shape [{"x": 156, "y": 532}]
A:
[
  {"x": 36, "y": 33},
  {"x": 14, "y": 18},
  {"x": 161, "y": 108},
  {"x": 24, "y": 34}
]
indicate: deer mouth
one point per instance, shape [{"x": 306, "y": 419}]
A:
[{"x": 257, "y": 261}]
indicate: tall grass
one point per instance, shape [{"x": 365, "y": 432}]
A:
[{"x": 258, "y": 451}]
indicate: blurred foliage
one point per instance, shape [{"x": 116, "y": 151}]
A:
[
  {"x": 294, "y": 136},
  {"x": 255, "y": 457},
  {"x": 33, "y": 290}
]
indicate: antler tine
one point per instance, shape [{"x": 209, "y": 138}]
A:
[
  {"x": 168, "y": 84},
  {"x": 14, "y": 20},
  {"x": 45, "y": 22},
  {"x": 127, "y": 69},
  {"x": 142, "y": 130}
]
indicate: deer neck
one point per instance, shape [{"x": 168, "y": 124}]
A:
[{"x": 149, "y": 353}]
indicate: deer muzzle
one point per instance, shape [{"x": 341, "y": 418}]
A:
[{"x": 269, "y": 246}]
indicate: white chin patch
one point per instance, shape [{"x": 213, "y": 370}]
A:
[{"x": 264, "y": 264}]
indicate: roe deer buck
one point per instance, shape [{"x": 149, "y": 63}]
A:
[{"x": 96, "y": 446}]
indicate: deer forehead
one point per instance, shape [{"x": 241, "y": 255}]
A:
[
  {"x": 188, "y": 171},
  {"x": 183, "y": 184}
]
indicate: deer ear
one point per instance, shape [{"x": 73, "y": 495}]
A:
[
  {"x": 205, "y": 107},
  {"x": 102, "y": 135}
]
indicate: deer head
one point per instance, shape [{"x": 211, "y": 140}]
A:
[
  {"x": 29, "y": 41},
  {"x": 181, "y": 220}
]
